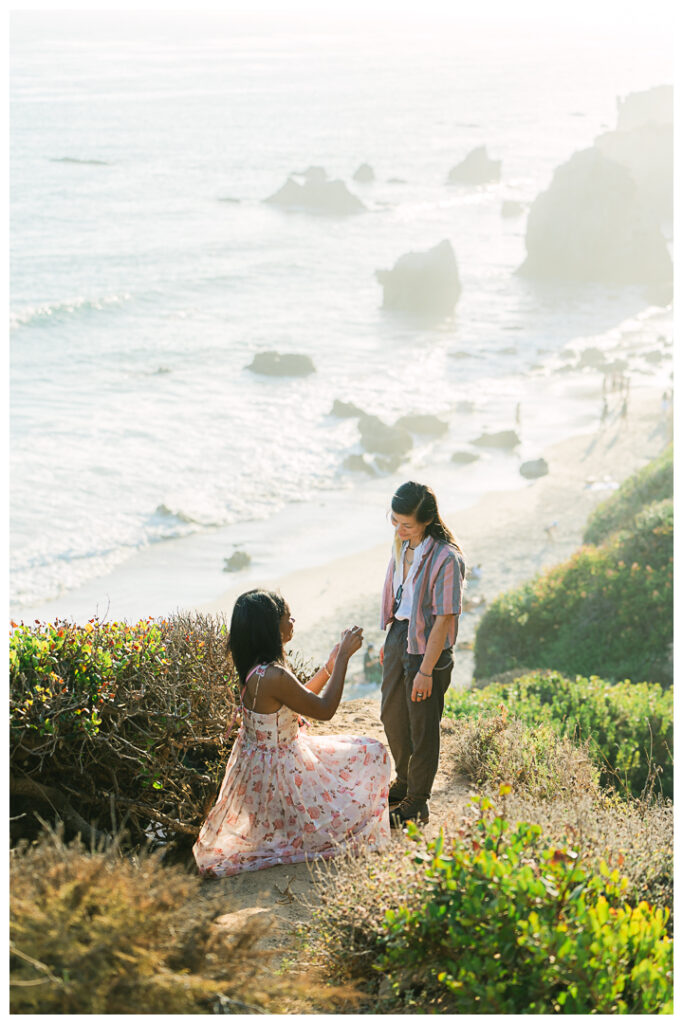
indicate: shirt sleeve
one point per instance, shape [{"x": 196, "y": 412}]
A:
[{"x": 447, "y": 589}]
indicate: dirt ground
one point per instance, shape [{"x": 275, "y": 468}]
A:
[{"x": 274, "y": 895}]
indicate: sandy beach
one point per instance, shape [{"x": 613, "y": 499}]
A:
[{"x": 508, "y": 535}]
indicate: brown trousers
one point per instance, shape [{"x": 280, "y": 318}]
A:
[{"x": 413, "y": 728}]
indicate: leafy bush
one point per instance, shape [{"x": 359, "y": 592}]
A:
[
  {"x": 532, "y": 758},
  {"x": 653, "y": 483},
  {"x": 628, "y": 726},
  {"x": 607, "y": 611},
  {"x": 634, "y": 836},
  {"x": 496, "y": 920},
  {"x": 98, "y": 933},
  {"x": 111, "y": 722}
]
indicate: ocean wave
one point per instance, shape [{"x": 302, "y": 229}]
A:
[
  {"x": 49, "y": 312},
  {"x": 77, "y": 160}
]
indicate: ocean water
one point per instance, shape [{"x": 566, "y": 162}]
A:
[{"x": 146, "y": 272}]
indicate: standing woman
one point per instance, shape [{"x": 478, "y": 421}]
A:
[{"x": 421, "y": 603}]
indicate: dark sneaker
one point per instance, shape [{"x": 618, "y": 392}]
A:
[
  {"x": 397, "y": 791},
  {"x": 409, "y": 810}
]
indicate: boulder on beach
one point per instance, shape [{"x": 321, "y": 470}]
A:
[
  {"x": 506, "y": 439},
  {"x": 476, "y": 169},
  {"x": 345, "y": 410},
  {"x": 238, "y": 560},
  {"x": 423, "y": 423},
  {"x": 425, "y": 283},
  {"x": 364, "y": 174},
  {"x": 282, "y": 364},
  {"x": 316, "y": 193},
  {"x": 464, "y": 458},
  {"x": 377, "y": 436},
  {"x": 511, "y": 208},
  {"x": 533, "y": 469},
  {"x": 590, "y": 226},
  {"x": 464, "y": 405}
]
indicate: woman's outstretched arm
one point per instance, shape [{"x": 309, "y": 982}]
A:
[{"x": 282, "y": 685}]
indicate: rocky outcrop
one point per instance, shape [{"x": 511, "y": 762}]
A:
[
  {"x": 426, "y": 283},
  {"x": 238, "y": 560},
  {"x": 377, "y": 436},
  {"x": 423, "y": 423},
  {"x": 358, "y": 464},
  {"x": 345, "y": 410},
  {"x": 511, "y": 208},
  {"x": 507, "y": 439},
  {"x": 590, "y": 226},
  {"x": 364, "y": 174},
  {"x": 464, "y": 458},
  {"x": 316, "y": 193},
  {"x": 282, "y": 364},
  {"x": 643, "y": 144},
  {"x": 476, "y": 169},
  {"x": 652, "y": 106},
  {"x": 533, "y": 469}
]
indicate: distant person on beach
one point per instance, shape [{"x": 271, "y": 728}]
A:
[
  {"x": 286, "y": 796},
  {"x": 421, "y": 602}
]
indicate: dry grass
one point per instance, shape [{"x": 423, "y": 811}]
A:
[
  {"x": 534, "y": 760},
  {"x": 95, "y": 932}
]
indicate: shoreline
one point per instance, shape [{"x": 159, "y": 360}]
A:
[
  {"x": 503, "y": 530},
  {"x": 511, "y": 535}
]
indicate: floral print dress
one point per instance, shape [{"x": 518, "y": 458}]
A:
[{"x": 288, "y": 797}]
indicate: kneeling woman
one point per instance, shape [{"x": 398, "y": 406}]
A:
[
  {"x": 287, "y": 796},
  {"x": 421, "y": 603}
]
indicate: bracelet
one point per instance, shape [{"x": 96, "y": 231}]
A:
[
  {"x": 427, "y": 675},
  {"x": 327, "y": 670}
]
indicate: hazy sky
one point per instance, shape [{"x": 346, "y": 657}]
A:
[{"x": 617, "y": 14}]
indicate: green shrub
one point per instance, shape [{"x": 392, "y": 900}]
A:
[
  {"x": 532, "y": 758},
  {"x": 653, "y": 483},
  {"x": 607, "y": 611},
  {"x": 112, "y": 722},
  {"x": 494, "y": 920},
  {"x": 628, "y": 726},
  {"x": 94, "y": 932},
  {"x": 634, "y": 836}
]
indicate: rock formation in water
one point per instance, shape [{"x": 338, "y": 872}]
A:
[
  {"x": 282, "y": 364},
  {"x": 345, "y": 410},
  {"x": 476, "y": 169},
  {"x": 425, "y": 283},
  {"x": 463, "y": 458},
  {"x": 506, "y": 439},
  {"x": 316, "y": 193},
  {"x": 377, "y": 436},
  {"x": 238, "y": 560},
  {"x": 511, "y": 208},
  {"x": 364, "y": 174},
  {"x": 423, "y": 423},
  {"x": 643, "y": 144},
  {"x": 590, "y": 226}
]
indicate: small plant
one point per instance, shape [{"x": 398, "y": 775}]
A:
[{"x": 628, "y": 727}]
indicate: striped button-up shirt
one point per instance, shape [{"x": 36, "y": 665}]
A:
[{"x": 438, "y": 585}]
